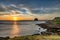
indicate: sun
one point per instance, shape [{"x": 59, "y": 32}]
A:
[{"x": 15, "y": 18}]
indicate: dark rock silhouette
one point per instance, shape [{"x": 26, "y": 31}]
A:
[
  {"x": 4, "y": 38},
  {"x": 36, "y": 19},
  {"x": 35, "y": 34},
  {"x": 56, "y": 18}
]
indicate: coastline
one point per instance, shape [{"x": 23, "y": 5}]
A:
[{"x": 34, "y": 37}]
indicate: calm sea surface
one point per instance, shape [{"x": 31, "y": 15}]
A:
[{"x": 18, "y": 28}]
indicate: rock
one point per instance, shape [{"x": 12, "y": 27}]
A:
[{"x": 36, "y": 19}]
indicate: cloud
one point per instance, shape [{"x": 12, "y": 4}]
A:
[
  {"x": 27, "y": 10},
  {"x": 45, "y": 10},
  {"x": 21, "y": 10},
  {"x": 15, "y": 8},
  {"x": 2, "y": 8}
]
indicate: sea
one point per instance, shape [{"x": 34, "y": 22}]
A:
[{"x": 20, "y": 28}]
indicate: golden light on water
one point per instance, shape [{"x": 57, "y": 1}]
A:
[{"x": 15, "y": 30}]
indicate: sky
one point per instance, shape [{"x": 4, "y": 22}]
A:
[{"x": 29, "y": 9}]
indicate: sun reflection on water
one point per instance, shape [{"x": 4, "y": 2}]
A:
[{"x": 15, "y": 30}]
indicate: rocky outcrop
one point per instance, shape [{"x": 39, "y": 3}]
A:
[
  {"x": 36, "y": 19},
  {"x": 50, "y": 28},
  {"x": 56, "y": 18},
  {"x": 4, "y": 38}
]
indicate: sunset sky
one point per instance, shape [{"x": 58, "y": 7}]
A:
[{"x": 29, "y": 9}]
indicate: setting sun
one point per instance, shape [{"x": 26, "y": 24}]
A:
[{"x": 15, "y": 18}]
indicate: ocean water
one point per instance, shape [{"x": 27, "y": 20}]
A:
[{"x": 18, "y": 28}]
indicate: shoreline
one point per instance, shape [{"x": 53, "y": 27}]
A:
[{"x": 35, "y": 37}]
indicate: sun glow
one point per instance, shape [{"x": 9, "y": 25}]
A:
[{"x": 15, "y": 18}]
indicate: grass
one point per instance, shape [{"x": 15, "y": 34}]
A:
[
  {"x": 57, "y": 22},
  {"x": 37, "y": 37}
]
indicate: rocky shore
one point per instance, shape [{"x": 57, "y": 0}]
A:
[
  {"x": 4, "y": 38},
  {"x": 51, "y": 27}
]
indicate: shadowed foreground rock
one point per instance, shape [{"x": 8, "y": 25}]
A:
[
  {"x": 53, "y": 29},
  {"x": 4, "y": 38}
]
